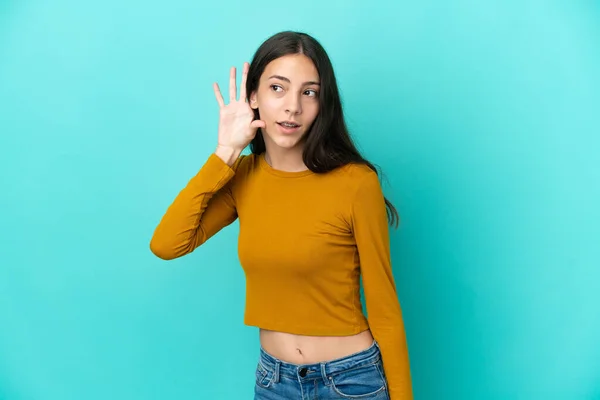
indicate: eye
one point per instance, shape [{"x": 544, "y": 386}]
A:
[
  {"x": 315, "y": 93},
  {"x": 276, "y": 86}
]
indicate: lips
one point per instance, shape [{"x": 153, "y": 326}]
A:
[
  {"x": 288, "y": 129},
  {"x": 289, "y": 124}
]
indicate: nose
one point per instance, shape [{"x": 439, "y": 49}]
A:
[{"x": 293, "y": 105}]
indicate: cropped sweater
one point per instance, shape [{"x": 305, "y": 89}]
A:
[{"x": 305, "y": 239}]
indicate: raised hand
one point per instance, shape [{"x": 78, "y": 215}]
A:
[{"x": 237, "y": 126}]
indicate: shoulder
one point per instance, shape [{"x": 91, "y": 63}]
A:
[
  {"x": 245, "y": 164},
  {"x": 366, "y": 200},
  {"x": 356, "y": 189},
  {"x": 243, "y": 169},
  {"x": 364, "y": 194},
  {"x": 356, "y": 177}
]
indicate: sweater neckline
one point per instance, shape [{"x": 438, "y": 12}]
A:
[{"x": 283, "y": 174}]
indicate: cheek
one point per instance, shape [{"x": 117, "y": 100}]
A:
[
  {"x": 269, "y": 108},
  {"x": 312, "y": 109}
]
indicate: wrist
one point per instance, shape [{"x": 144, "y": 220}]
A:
[{"x": 228, "y": 154}]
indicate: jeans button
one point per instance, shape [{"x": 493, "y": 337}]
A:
[{"x": 303, "y": 372}]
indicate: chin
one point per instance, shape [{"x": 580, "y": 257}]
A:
[{"x": 287, "y": 142}]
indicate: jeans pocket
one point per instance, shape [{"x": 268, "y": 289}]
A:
[
  {"x": 264, "y": 376},
  {"x": 359, "y": 383}
]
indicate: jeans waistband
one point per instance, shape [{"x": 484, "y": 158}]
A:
[{"x": 305, "y": 372}]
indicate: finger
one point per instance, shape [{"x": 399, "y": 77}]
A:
[
  {"x": 257, "y": 123},
  {"x": 244, "y": 77},
  {"x": 232, "y": 87},
  {"x": 218, "y": 95}
]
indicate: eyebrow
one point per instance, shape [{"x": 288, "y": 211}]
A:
[{"x": 283, "y": 78}]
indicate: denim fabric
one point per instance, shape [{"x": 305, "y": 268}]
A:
[{"x": 357, "y": 376}]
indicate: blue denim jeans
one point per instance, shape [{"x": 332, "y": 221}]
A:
[{"x": 357, "y": 376}]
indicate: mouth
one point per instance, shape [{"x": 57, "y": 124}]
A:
[
  {"x": 288, "y": 127},
  {"x": 289, "y": 124}
]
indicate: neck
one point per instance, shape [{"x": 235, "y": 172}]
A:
[{"x": 288, "y": 160}]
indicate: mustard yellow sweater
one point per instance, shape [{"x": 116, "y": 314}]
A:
[{"x": 304, "y": 241}]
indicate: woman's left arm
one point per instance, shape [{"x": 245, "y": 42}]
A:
[{"x": 370, "y": 228}]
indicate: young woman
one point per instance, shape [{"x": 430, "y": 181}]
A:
[{"x": 313, "y": 221}]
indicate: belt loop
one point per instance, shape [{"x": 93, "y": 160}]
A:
[
  {"x": 324, "y": 375},
  {"x": 276, "y": 372}
]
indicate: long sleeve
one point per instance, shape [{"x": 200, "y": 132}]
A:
[
  {"x": 370, "y": 227},
  {"x": 201, "y": 209}
]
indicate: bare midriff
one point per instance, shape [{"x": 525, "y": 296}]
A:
[{"x": 300, "y": 349}]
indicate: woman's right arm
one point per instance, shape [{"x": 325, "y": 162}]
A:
[
  {"x": 200, "y": 210},
  {"x": 206, "y": 204}
]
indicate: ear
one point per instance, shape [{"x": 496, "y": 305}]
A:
[{"x": 253, "y": 101}]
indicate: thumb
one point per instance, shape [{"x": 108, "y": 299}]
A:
[{"x": 258, "y": 124}]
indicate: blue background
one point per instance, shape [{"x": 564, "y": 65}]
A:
[{"x": 483, "y": 115}]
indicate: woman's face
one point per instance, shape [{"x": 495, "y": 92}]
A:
[{"x": 288, "y": 90}]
